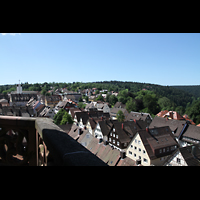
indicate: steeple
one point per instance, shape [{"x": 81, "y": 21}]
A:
[{"x": 19, "y": 88}]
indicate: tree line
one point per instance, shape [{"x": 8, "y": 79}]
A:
[{"x": 144, "y": 97}]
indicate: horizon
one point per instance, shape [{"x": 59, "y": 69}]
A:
[
  {"x": 155, "y": 58},
  {"x": 22, "y": 83}
]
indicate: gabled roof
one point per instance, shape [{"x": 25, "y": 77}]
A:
[
  {"x": 175, "y": 125},
  {"x": 157, "y": 138},
  {"x": 192, "y": 131},
  {"x": 138, "y": 116},
  {"x": 161, "y": 113},
  {"x": 119, "y": 105},
  {"x": 106, "y": 126},
  {"x": 190, "y": 158},
  {"x": 125, "y": 130}
]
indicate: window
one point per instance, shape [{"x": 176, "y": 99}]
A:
[
  {"x": 117, "y": 136},
  {"x": 113, "y": 135},
  {"x": 135, "y": 147},
  {"x": 113, "y": 141},
  {"x": 139, "y": 150},
  {"x": 113, "y": 129},
  {"x": 135, "y": 141},
  {"x": 144, "y": 151},
  {"x": 140, "y": 157},
  {"x": 125, "y": 144},
  {"x": 178, "y": 160},
  {"x": 130, "y": 152},
  {"x": 164, "y": 150},
  {"x": 145, "y": 160},
  {"x": 160, "y": 151},
  {"x": 117, "y": 143},
  {"x": 131, "y": 146},
  {"x": 139, "y": 142},
  {"x": 134, "y": 155},
  {"x": 109, "y": 139},
  {"x": 167, "y": 149}
]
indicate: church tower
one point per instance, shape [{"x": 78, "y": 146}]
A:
[{"x": 19, "y": 88}]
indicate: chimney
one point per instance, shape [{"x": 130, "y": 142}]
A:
[
  {"x": 147, "y": 129},
  {"x": 122, "y": 154},
  {"x": 122, "y": 125},
  {"x": 135, "y": 121}
]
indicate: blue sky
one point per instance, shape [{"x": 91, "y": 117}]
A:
[{"x": 158, "y": 58}]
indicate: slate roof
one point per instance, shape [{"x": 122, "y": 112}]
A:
[
  {"x": 192, "y": 131},
  {"x": 175, "y": 125},
  {"x": 128, "y": 131},
  {"x": 22, "y": 97},
  {"x": 106, "y": 126},
  {"x": 138, "y": 116},
  {"x": 157, "y": 138},
  {"x": 119, "y": 105},
  {"x": 104, "y": 152},
  {"x": 188, "y": 156},
  {"x": 190, "y": 159}
]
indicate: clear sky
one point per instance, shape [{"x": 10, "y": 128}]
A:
[{"x": 158, "y": 58}]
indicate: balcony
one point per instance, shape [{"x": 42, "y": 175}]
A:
[{"x": 26, "y": 141}]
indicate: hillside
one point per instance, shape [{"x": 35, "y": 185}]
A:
[
  {"x": 179, "y": 95},
  {"x": 192, "y": 89}
]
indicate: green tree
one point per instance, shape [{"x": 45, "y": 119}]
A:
[
  {"x": 112, "y": 100},
  {"x": 66, "y": 119},
  {"x": 164, "y": 103},
  {"x": 120, "y": 116},
  {"x": 100, "y": 98},
  {"x": 194, "y": 111},
  {"x": 131, "y": 105},
  {"x": 81, "y": 105},
  {"x": 58, "y": 117}
]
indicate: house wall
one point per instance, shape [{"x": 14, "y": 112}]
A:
[
  {"x": 173, "y": 161},
  {"x": 97, "y": 132},
  {"x": 140, "y": 150},
  {"x": 89, "y": 128}
]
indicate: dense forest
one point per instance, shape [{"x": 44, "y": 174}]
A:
[
  {"x": 141, "y": 97},
  {"x": 192, "y": 89}
]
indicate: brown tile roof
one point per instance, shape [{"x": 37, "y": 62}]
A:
[{"x": 161, "y": 113}]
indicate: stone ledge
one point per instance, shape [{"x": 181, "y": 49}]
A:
[{"x": 64, "y": 149}]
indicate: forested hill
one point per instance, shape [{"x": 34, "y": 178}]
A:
[
  {"x": 193, "y": 89},
  {"x": 179, "y": 97},
  {"x": 176, "y": 94}
]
